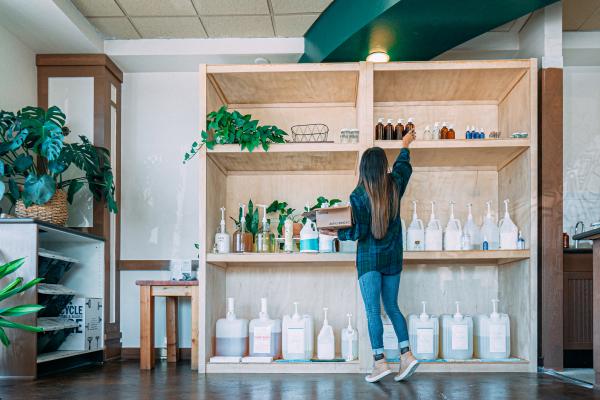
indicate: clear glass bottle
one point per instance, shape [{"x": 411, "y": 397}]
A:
[
  {"x": 427, "y": 135},
  {"x": 354, "y": 135}
]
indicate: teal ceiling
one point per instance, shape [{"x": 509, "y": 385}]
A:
[{"x": 408, "y": 30}]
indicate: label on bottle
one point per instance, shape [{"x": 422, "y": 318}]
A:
[
  {"x": 460, "y": 337},
  {"x": 262, "y": 340},
  {"x": 425, "y": 341},
  {"x": 222, "y": 241},
  {"x": 390, "y": 341},
  {"x": 295, "y": 341},
  {"x": 497, "y": 338}
]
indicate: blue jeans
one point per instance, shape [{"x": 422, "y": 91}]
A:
[{"x": 375, "y": 286}]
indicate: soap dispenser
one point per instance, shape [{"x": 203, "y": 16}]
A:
[
  {"x": 509, "y": 233},
  {"x": 471, "y": 230},
  {"x": 349, "y": 341},
  {"x": 453, "y": 233},
  {"x": 222, "y": 239},
  {"x": 326, "y": 340},
  {"x": 423, "y": 334},
  {"x": 433, "y": 232},
  {"x": 242, "y": 240},
  {"x": 415, "y": 234},
  {"x": 265, "y": 334},
  {"x": 457, "y": 336},
  {"x": 297, "y": 340},
  {"x": 489, "y": 230},
  {"x": 492, "y": 334},
  {"x": 264, "y": 239},
  {"x": 231, "y": 334}
]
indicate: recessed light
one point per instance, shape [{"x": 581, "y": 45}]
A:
[{"x": 379, "y": 57}]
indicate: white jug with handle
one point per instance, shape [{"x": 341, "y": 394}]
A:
[
  {"x": 453, "y": 233},
  {"x": 415, "y": 235},
  {"x": 509, "y": 233},
  {"x": 433, "y": 233}
]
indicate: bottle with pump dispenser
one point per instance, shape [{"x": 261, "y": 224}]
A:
[
  {"x": 222, "y": 238},
  {"x": 410, "y": 125},
  {"x": 415, "y": 234},
  {"x": 472, "y": 230},
  {"x": 453, "y": 232},
  {"x": 326, "y": 340},
  {"x": 298, "y": 336},
  {"x": 509, "y": 233},
  {"x": 489, "y": 230},
  {"x": 457, "y": 336},
  {"x": 433, "y": 232},
  {"x": 265, "y": 334},
  {"x": 265, "y": 239},
  {"x": 231, "y": 334},
  {"x": 399, "y": 130},
  {"x": 349, "y": 337},
  {"x": 492, "y": 335},
  {"x": 424, "y": 333},
  {"x": 388, "y": 130},
  {"x": 379, "y": 128},
  {"x": 242, "y": 240}
]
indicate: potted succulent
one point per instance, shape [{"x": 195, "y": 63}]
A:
[
  {"x": 225, "y": 127},
  {"x": 34, "y": 159}
]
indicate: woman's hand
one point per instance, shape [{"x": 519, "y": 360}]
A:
[
  {"x": 409, "y": 138},
  {"x": 329, "y": 232}
]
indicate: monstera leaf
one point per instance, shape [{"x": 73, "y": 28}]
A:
[
  {"x": 22, "y": 162},
  {"x": 38, "y": 190}
]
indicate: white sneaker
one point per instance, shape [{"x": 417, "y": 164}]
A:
[
  {"x": 408, "y": 366},
  {"x": 380, "y": 370}
]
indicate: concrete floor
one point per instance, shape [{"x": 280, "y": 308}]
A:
[{"x": 123, "y": 380}]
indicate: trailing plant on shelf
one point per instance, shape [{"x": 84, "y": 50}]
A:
[
  {"x": 34, "y": 159},
  {"x": 320, "y": 202},
  {"x": 11, "y": 290},
  {"x": 225, "y": 127},
  {"x": 252, "y": 219},
  {"x": 283, "y": 212}
]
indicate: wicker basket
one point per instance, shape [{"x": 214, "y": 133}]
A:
[{"x": 56, "y": 211}]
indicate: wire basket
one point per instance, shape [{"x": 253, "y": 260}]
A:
[{"x": 310, "y": 133}]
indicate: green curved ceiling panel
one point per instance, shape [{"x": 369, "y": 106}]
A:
[{"x": 408, "y": 30}]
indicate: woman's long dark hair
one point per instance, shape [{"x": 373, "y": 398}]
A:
[{"x": 382, "y": 190}]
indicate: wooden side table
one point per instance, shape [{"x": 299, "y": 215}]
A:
[{"x": 172, "y": 290}]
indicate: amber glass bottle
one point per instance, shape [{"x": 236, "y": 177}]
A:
[
  {"x": 451, "y": 134},
  {"x": 444, "y": 131},
  {"x": 399, "y": 130},
  {"x": 410, "y": 125},
  {"x": 379, "y": 130},
  {"x": 388, "y": 131}
]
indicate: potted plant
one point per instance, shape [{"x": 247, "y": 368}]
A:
[
  {"x": 284, "y": 212},
  {"x": 225, "y": 127},
  {"x": 13, "y": 289},
  {"x": 34, "y": 159}
]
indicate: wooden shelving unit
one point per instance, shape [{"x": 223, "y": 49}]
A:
[{"x": 494, "y": 95}]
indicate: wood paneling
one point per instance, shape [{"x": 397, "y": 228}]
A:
[{"x": 550, "y": 217}]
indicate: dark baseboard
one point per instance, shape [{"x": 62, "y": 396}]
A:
[{"x": 133, "y": 353}]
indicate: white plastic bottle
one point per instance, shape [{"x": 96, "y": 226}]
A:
[
  {"x": 222, "y": 238},
  {"x": 288, "y": 233},
  {"x": 489, "y": 229},
  {"x": 435, "y": 133},
  {"x": 326, "y": 340},
  {"x": 390, "y": 340},
  {"x": 433, "y": 232},
  {"x": 427, "y": 135},
  {"x": 232, "y": 334},
  {"x": 297, "y": 336},
  {"x": 349, "y": 337},
  {"x": 457, "y": 336},
  {"x": 472, "y": 230},
  {"x": 492, "y": 335},
  {"x": 509, "y": 233},
  {"x": 424, "y": 335},
  {"x": 453, "y": 233},
  {"x": 265, "y": 334},
  {"x": 415, "y": 235},
  {"x": 309, "y": 238}
]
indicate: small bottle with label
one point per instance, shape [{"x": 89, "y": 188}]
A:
[
  {"x": 436, "y": 131},
  {"x": 379, "y": 129},
  {"x": 451, "y": 134},
  {"x": 427, "y": 135},
  {"x": 444, "y": 131},
  {"x": 520, "y": 242},
  {"x": 469, "y": 133},
  {"x": 388, "y": 130},
  {"x": 399, "y": 130},
  {"x": 410, "y": 125},
  {"x": 485, "y": 245},
  {"x": 222, "y": 239}
]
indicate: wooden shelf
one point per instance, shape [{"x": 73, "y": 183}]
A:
[
  {"x": 286, "y": 368},
  {"x": 56, "y": 355},
  {"x": 289, "y": 157},
  {"x": 410, "y": 257},
  {"x": 490, "y": 153},
  {"x": 56, "y": 323}
]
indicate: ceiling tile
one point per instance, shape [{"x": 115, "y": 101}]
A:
[
  {"x": 98, "y": 8},
  {"x": 299, "y": 6},
  {"x": 293, "y": 25},
  {"x": 232, "y": 7},
  {"x": 115, "y": 27},
  {"x": 162, "y": 8},
  {"x": 238, "y": 26},
  {"x": 592, "y": 23},
  {"x": 576, "y": 12},
  {"x": 169, "y": 27}
]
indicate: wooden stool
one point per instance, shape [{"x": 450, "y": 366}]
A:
[{"x": 172, "y": 290}]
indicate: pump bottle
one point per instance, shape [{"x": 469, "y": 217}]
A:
[
  {"x": 264, "y": 239},
  {"x": 326, "y": 340},
  {"x": 242, "y": 240},
  {"x": 222, "y": 239},
  {"x": 415, "y": 235}
]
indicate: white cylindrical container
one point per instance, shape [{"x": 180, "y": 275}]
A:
[
  {"x": 326, "y": 243},
  {"x": 492, "y": 335},
  {"x": 265, "y": 334},
  {"x": 509, "y": 233},
  {"x": 415, "y": 234},
  {"x": 232, "y": 334},
  {"x": 297, "y": 336},
  {"x": 433, "y": 232},
  {"x": 457, "y": 336},
  {"x": 453, "y": 233},
  {"x": 326, "y": 340},
  {"x": 424, "y": 333}
]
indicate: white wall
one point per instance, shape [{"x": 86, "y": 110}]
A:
[
  {"x": 18, "y": 75},
  {"x": 581, "y": 148},
  {"x": 159, "y": 194}
]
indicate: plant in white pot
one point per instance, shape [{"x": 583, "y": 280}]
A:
[{"x": 34, "y": 158}]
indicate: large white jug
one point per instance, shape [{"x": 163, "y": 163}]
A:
[
  {"x": 433, "y": 232},
  {"x": 415, "y": 235},
  {"x": 453, "y": 233},
  {"x": 509, "y": 233}
]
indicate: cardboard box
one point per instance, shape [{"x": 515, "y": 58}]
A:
[
  {"x": 334, "y": 217},
  {"x": 88, "y": 313}
]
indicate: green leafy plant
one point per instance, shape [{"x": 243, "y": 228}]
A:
[
  {"x": 34, "y": 158},
  {"x": 13, "y": 289},
  {"x": 283, "y": 212},
  {"x": 321, "y": 201},
  {"x": 225, "y": 127},
  {"x": 252, "y": 219}
]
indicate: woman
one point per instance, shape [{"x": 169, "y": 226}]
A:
[{"x": 377, "y": 227}]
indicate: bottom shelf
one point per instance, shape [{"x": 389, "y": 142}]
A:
[
  {"x": 59, "y": 354},
  {"x": 353, "y": 367}
]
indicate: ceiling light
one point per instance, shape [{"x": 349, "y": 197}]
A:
[{"x": 378, "y": 56}]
